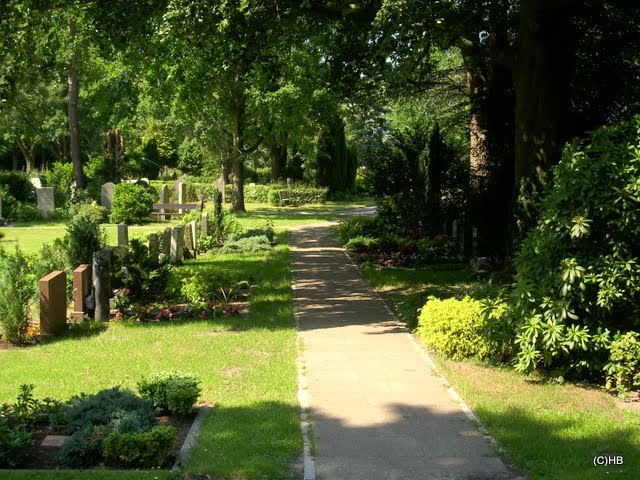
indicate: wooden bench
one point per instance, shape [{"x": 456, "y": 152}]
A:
[
  {"x": 166, "y": 211},
  {"x": 285, "y": 197}
]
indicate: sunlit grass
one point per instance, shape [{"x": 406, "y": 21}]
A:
[{"x": 246, "y": 366}]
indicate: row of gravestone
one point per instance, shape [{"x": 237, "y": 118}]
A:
[
  {"x": 91, "y": 283},
  {"x": 106, "y": 192}
]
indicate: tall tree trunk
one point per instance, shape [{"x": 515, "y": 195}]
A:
[
  {"x": 14, "y": 160},
  {"x": 237, "y": 157},
  {"x": 278, "y": 154},
  {"x": 114, "y": 149},
  {"x": 542, "y": 75},
  {"x": 74, "y": 124},
  {"x": 491, "y": 151}
]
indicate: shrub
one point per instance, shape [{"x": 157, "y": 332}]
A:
[
  {"x": 578, "y": 272},
  {"x": 623, "y": 369},
  {"x": 455, "y": 327},
  {"x": 173, "y": 391},
  {"x": 89, "y": 210},
  {"x": 298, "y": 195},
  {"x": 85, "y": 239},
  {"x": 361, "y": 244},
  {"x": 18, "y": 186},
  {"x": 141, "y": 274},
  {"x": 24, "y": 212},
  {"x": 142, "y": 449},
  {"x": 131, "y": 204},
  {"x": 60, "y": 177},
  {"x": 266, "y": 231},
  {"x": 250, "y": 244},
  {"x": 13, "y": 439},
  {"x": 82, "y": 450},
  {"x": 17, "y": 288},
  {"x": 198, "y": 285},
  {"x": 114, "y": 408},
  {"x": 358, "y": 227},
  {"x": 256, "y": 193}
]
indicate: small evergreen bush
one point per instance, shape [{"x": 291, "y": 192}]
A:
[
  {"x": 141, "y": 450},
  {"x": 173, "y": 391},
  {"x": 85, "y": 238},
  {"x": 17, "y": 288},
  {"x": 623, "y": 369},
  {"x": 131, "y": 204},
  {"x": 358, "y": 227}
]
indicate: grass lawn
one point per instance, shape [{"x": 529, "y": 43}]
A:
[
  {"x": 31, "y": 236},
  {"x": 549, "y": 431},
  {"x": 246, "y": 366}
]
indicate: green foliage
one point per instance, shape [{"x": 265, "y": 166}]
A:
[
  {"x": 141, "y": 274},
  {"x": 206, "y": 243},
  {"x": 357, "y": 227},
  {"x": 83, "y": 450},
  {"x": 17, "y": 288},
  {"x": 85, "y": 238},
  {"x": 131, "y": 204},
  {"x": 266, "y": 231},
  {"x": 89, "y": 210},
  {"x": 257, "y": 193},
  {"x": 455, "y": 327},
  {"x": 198, "y": 285},
  {"x": 13, "y": 440},
  {"x": 623, "y": 369},
  {"x": 298, "y": 195},
  {"x": 139, "y": 450},
  {"x": 16, "y": 421},
  {"x": 18, "y": 197},
  {"x": 173, "y": 391},
  {"x": 247, "y": 244},
  {"x": 578, "y": 276},
  {"x": 362, "y": 244},
  {"x": 60, "y": 177},
  {"x": 115, "y": 409},
  {"x": 24, "y": 212}
]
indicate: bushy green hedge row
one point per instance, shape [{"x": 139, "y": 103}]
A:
[{"x": 298, "y": 196}]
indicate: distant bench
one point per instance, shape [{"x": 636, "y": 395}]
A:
[
  {"x": 285, "y": 197},
  {"x": 173, "y": 210}
]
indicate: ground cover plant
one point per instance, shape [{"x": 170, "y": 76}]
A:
[{"x": 246, "y": 366}]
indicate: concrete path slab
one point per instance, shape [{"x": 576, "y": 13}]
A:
[{"x": 378, "y": 410}]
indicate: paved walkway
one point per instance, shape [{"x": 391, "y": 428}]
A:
[{"x": 378, "y": 410}]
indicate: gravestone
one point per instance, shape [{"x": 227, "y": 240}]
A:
[
  {"x": 81, "y": 289},
  {"x": 166, "y": 241},
  {"x": 101, "y": 290},
  {"x": 289, "y": 182},
  {"x": 46, "y": 202},
  {"x": 181, "y": 189},
  {"x": 221, "y": 187},
  {"x": 193, "y": 226},
  {"x": 154, "y": 247},
  {"x": 177, "y": 244},
  {"x": 106, "y": 195},
  {"x": 36, "y": 182},
  {"x": 144, "y": 182},
  {"x": 123, "y": 234},
  {"x": 188, "y": 242},
  {"x": 164, "y": 198},
  {"x": 204, "y": 225},
  {"x": 53, "y": 303}
]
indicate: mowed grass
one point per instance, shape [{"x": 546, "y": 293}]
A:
[
  {"x": 246, "y": 366},
  {"x": 549, "y": 431},
  {"x": 31, "y": 236}
]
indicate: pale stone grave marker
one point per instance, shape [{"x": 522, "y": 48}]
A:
[
  {"x": 182, "y": 193},
  {"x": 221, "y": 187},
  {"x": 154, "y": 247},
  {"x": 123, "y": 234},
  {"x": 46, "y": 202},
  {"x": 36, "y": 182},
  {"x": 166, "y": 241},
  {"x": 106, "y": 195},
  {"x": 204, "y": 225},
  {"x": 177, "y": 244}
]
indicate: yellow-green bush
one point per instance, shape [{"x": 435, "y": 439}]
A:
[{"x": 455, "y": 328}]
